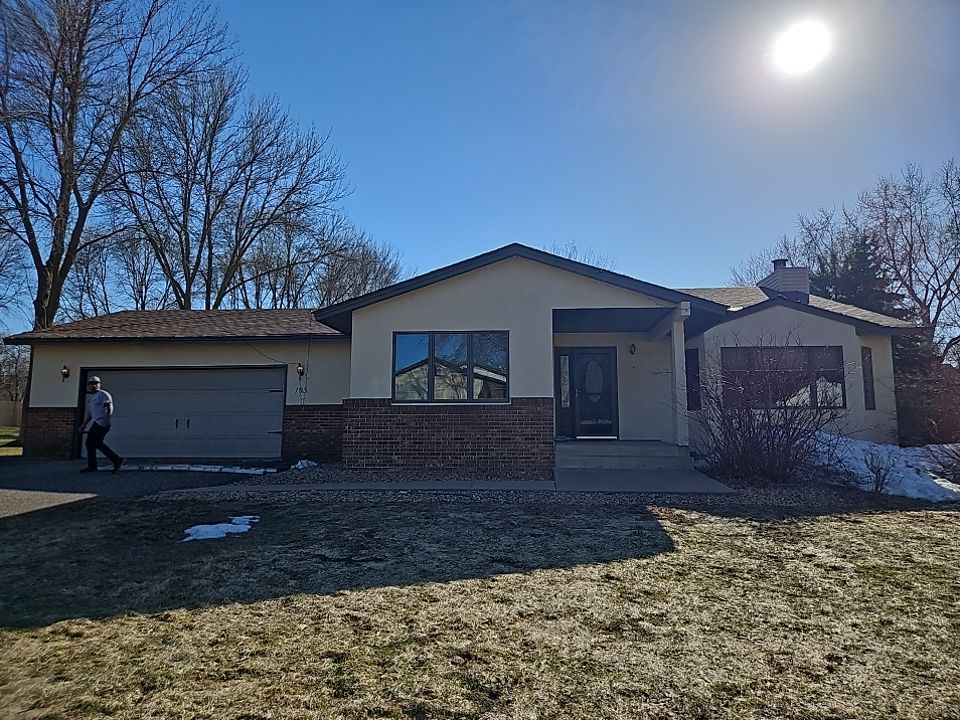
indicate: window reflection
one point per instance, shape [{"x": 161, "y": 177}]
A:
[
  {"x": 490, "y": 366},
  {"x": 783, "y": 377},
  {"x": 450, "y": 366},
  {"x": 411, "y": 355}
]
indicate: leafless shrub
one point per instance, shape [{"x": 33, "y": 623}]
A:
[
  {"x": 881, "y": 469},
  {"x": 766, "y": 409},
  {"x": 946, "y": 459}
]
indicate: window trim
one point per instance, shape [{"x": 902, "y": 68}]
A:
[
  {"x": 693, "y": 379},
  {"x": 429, "y": 400},
  {"x": 809, "y": 354},
  {"x": 869, "y": 385}
]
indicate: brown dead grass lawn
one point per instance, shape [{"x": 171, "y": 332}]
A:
[{"x": 427, "y": 610}]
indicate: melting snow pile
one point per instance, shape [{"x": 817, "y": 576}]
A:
[
  {"x": 239, "y": 524},
  {"x": 914, "y": 472}
]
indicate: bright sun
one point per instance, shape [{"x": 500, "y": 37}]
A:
[{"x": 801, "y": 47}]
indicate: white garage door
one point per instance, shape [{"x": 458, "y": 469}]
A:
[{"x": 196, "y": 413}]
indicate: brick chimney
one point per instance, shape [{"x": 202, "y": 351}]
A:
[{"x": 792, "y": 283}]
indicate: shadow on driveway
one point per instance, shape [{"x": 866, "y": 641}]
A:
[{"x": 30, "y": 485}]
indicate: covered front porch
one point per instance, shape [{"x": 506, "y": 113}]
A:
[
  {"x": 620, "y": 401},
  {"x": 620, "y": 375}
]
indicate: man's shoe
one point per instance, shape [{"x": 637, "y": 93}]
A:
[
  {"x": 118, "y": 464},
  {"x": 89, "y": 469}
]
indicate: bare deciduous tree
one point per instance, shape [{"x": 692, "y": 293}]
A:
[
  {"x": 915, "y": 222},
  {"x": 12, "y": 270},
  {"x": 911, "y": 225},
  {"x": 14, "y": 368},
  {"x": 86, "y": 292},
  {"x": 74, "y": 75},
  {"x": 140, "y": 284},
  {"x": 333, "y": 263},
  {"x": 211, "y": 177},
  {"x": 586, "y": 255},
  {"x": 756, "y": 266}
]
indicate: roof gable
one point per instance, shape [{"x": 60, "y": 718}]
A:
[
  {"x": 339, "y": 316},
  {"x": 746, "y": 300}
]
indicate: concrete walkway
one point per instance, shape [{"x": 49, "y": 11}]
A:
[
  {"x": 636, "y": 481},
  {"x": 452, "y": 485},
  {"x": 567, "y": 480}
]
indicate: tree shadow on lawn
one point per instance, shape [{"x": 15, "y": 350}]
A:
[{"x": 104, "y": 557}]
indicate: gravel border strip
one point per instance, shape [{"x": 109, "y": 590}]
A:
[{"x": 762, "y": 502}]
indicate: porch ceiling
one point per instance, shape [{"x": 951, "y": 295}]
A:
[{"x": 600, "y": 320}]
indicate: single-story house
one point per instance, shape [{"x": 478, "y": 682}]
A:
[{"x": 486, "y": 363}]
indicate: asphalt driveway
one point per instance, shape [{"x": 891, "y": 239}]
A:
[{"x": 28, "y": 485}]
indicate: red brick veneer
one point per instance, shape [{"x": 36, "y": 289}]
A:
[
  {"x": 517, "y": 436},
  {"x": 312, "y": 431},
  {"x": 49, "y": 432}
]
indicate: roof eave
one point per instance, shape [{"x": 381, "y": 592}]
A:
[{"x": 25, "y": 339}]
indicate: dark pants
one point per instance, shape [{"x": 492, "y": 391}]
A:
[{"x": 95, "y": 436}]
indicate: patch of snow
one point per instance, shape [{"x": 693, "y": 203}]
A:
[
  {"x": 914, "y": 471},
  {"x": 203, "y": 468},
  {"x": 303, "y": 465},
  {"x": 238, "y": 524}
]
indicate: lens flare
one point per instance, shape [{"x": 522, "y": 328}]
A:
[{"x": 801, "y": 47}]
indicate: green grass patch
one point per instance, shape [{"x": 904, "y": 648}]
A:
[{"x": 457, "y": 610}]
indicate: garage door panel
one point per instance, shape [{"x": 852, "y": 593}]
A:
[{"x": 196, "y": 412}]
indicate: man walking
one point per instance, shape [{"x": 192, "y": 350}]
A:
[{"x": 99, "y": 408}]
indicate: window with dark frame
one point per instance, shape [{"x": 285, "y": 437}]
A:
[
  {"x": 783, "y": 377},
  {"x": 692, "y": 361},
  {"x": 869, "y": 391},
  {"x": 451, "y": 366}
]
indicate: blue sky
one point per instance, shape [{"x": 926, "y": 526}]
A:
[{"x": 652, "y": 132}]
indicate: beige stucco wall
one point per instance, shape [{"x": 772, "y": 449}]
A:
[
  {"x": 644, "y": 391},
  {"x": 777, "y": 324},
  {"x": 516, "y": 294},
  {"x": 328, "y": 365}
]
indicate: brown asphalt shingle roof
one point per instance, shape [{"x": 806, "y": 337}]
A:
[
  {"x": 185, "y": 325},
  {"x": 738, "y": 298}
]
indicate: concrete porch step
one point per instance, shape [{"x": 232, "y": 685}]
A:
[
  {"x": 624, "y": 463},
  {"x": 612, "y": 455},
  {"x": 630, "y": 448}
]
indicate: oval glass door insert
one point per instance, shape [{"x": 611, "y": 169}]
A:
[{"x": 593, "y": 382}]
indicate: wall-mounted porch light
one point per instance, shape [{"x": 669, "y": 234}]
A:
[
  {"x": 633, "y": 348},
  {"x": 300, "y": 369},
  {"x": 64, "y": 373}
]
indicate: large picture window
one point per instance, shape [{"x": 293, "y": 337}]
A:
[
  {"x": 450, "y": 367},
  {"x": 766, "y": 377}
]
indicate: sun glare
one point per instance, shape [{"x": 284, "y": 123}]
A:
[{"x": 801, "y": 47}]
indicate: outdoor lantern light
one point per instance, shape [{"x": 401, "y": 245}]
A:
[
  {"x": 300, "y": 369},
  {"x": 633, "y": 349},
  {"x": 64, "y": 373}
]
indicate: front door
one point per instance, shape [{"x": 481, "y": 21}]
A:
[{"x": 586, "y": 392}]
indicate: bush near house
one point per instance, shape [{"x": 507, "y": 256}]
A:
[{"x": 765, "y": 411}]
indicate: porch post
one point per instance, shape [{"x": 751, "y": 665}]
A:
[{"x": 681, "y": 423}]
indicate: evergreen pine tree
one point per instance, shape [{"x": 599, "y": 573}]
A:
[{"x": 850, "y": 273}]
